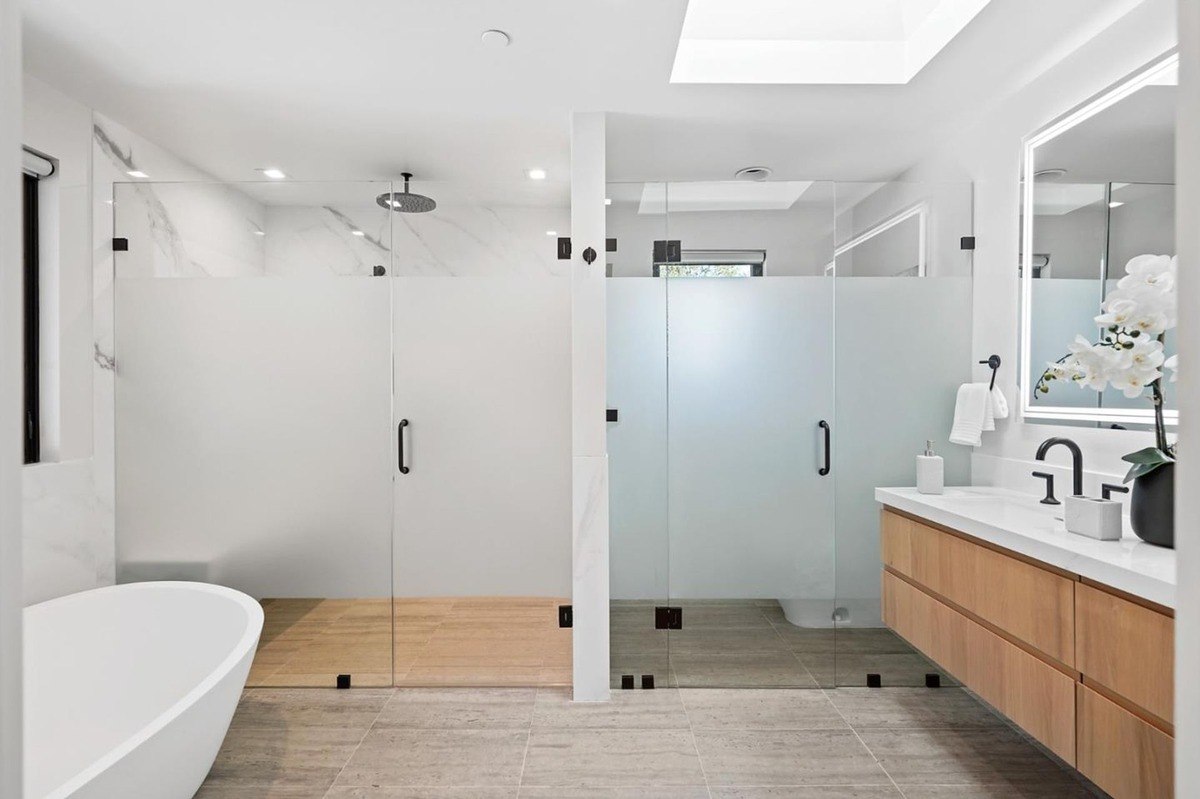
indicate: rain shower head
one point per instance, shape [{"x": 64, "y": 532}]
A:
[{"x": 405, "y": 202}]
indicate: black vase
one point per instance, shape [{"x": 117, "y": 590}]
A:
[{"x": 1152, "y": 510}]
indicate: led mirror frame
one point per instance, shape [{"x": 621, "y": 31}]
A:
[{"x": 1144, "y": 77}]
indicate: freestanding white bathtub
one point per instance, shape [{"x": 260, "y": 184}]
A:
[{"x": 129, "y": 690}]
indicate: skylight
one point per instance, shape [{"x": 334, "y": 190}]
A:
[
  {"x": 815, "y": 41},
  {"x": 721, "y": 195}
]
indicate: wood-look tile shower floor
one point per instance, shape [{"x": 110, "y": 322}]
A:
[{"x": 441, "y": 641}]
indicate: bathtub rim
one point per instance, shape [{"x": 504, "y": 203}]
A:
[{"x": 245, "y": 646}]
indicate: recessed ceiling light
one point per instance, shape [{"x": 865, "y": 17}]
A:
[
  {"x": 260, "y": 233},
  {"x": 536, "y": 173},
  {"x": 551, "y": 232},
  {"x": 607, "y": 201},
  {"x": 137, "y": 173},
  {"x": 1115, "y": 204},
  {"x": 273, "y": 173},
  {"x": 495, "y": 39},
  {"x": 358, "y": 233}
]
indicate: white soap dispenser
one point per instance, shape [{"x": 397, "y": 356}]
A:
[{"x": 931, "y": 471}]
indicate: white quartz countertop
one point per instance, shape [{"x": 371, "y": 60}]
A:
[{"x": 1020, "y": 523}]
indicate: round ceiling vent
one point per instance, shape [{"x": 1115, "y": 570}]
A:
[
  {"x": 1049, "y": 174},
  {"x": 495, "y": 39},
  {"x": 756, "y": 173}
]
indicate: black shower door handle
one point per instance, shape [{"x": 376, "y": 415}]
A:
[
  {"x": 824, "y": 425},
  {"x": 400, "y": 445}
]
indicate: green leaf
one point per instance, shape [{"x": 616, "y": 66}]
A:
[
  {"x": 1141, "y": 470},
  {"x": 1145, "y": 461},
  {"x": 1148, "y": 456}
]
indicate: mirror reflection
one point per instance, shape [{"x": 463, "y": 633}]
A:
[{"x": 1101, "y": 195}]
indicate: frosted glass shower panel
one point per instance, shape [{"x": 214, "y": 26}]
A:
[{"x": 253, "y": 403}]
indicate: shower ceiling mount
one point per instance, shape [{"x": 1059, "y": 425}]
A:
[{"x": 406, "y": 202}]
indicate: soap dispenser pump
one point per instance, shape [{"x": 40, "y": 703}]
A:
[{"x": 931, "y": 471}]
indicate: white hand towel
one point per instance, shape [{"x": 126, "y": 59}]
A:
[
  {"x": 999, "y": 404},
  {"x": 970, "y": 414},
  {"x": 989, "y": 411}
]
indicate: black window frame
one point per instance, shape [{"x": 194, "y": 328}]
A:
[{"x": 32, "y": 394}]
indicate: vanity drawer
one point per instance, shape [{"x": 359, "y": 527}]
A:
[
  {"x": 1030, "y": 603},
  {"x": 1127, "y": 648},
  {"x": 1127, "y": 757},
  {"x": 1031, "y": 692}
]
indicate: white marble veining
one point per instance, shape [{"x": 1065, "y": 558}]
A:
[
  {"x": 65, "y": 548},
  {"x": 456, "y": 240},
  {"x": 1020, "y": 523},
  {"x": 590, "y": 588}
]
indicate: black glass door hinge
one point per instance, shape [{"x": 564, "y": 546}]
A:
[
  {"x": 120, "y": 245},
  {"x": 668, "y": 618}
]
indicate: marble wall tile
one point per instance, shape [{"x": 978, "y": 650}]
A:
[
  {"x": 455, "y": 240},
  {"x": 590, "y": 587},
  {"x": 65, "y": 549}
]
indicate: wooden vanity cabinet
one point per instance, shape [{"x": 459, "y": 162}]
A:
[{"x": 1084, "y": 669}]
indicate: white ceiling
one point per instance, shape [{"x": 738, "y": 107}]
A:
[{"x": 331, "y": 90}]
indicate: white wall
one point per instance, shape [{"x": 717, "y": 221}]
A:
[
  {"x": 11, "y": 358},
  {"x": 1187, "y": 510},
  {"x": 989, "y": 154}
]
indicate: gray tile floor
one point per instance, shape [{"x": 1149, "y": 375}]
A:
[
  {"x": 749, "y": 644},
  {"x": 420, "y": 743}
]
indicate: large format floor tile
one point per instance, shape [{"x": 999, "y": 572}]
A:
[
  {"x": 993, "y": 756},
  {"x": 898, "y": 708},
  {"x": 458, "y": 708},
  {"x": 309, "y": 707},
  {"x": 760, "y": 709},
  {"x": 642, "y": 792},
  {"x": 810, "y": 792},
  {"x": 299, "y": 757},
  {"x": 787, "y": 757},
  {"x": 665, "y": 744},
  {"x": 612, "y": 758},
  {"x": 627, "y": 710},
  {"x": 448, "y": 758},
  {"x": 422, "y": 792}
]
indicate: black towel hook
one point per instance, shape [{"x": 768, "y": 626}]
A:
[{"x": 994, "y": 362}]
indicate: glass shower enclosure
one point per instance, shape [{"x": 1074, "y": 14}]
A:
[
  {"x": 342, "y": 411},
  {"x": 767, "y": 369}
]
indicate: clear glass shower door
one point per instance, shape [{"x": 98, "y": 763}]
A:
[
  {"x": 750, "y": 432},
  {"x": 252, "y": 402},
  {"x": 903, "y": 346},
  {"x": 481, "y": 432}
]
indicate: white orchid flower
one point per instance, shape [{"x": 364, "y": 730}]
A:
[
  {"x": 1172, "y": 363},
  {"x": 1150, "y": 270},
  {"x": 1117, "y": 313},
  {"x": 1146, "y": 354}
]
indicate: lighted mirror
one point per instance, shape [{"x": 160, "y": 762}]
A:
[{"x": 1098, "y": 195}]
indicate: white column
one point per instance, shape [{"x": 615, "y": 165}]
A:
[
  {"x": 1187, "y": 511},
  {"x": 11, "y": 370},
  {"x": 589, "y": 503}
]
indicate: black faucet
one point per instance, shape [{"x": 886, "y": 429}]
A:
[{"x": 1076, "y": 460}]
